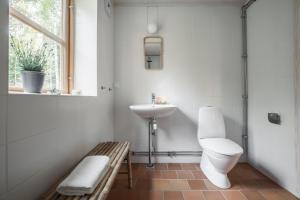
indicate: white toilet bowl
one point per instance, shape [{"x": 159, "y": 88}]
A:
[
  {"x": 217, "y": 161},
  {"x": 220, "y": 155}
]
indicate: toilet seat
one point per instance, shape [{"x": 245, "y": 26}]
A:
[{"x": 221, "y": 146}]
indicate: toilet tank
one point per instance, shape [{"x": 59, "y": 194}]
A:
[{"x": 210, "y": 123}]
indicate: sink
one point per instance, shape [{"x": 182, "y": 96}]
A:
[{"x": 149, "y": 111}]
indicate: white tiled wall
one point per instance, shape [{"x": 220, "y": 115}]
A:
[
  {"x": 48, "y": 134},
  {"x": 3, "y": 109},
  {"x": 4, "y": 45},
  {"x": 2, "y": 169},
  {"x": 3, "y": 92},
  {"x": 29, "y": 116},
  {"x": 27, "y": 157},
  {"x": 201, "y": 67},
  {"x": 33, "y": 185},
  {"x": 273, "y": 148}
]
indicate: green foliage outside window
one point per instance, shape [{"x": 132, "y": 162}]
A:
[{"x": 48, "y": 14}]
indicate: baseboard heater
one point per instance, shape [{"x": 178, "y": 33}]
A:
[{"x": 168, "y": 153}]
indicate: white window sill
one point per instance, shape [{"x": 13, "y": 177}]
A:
[{"x": 46, "y": 94}]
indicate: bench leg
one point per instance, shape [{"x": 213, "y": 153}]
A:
[{"x": 129, "y": 169}]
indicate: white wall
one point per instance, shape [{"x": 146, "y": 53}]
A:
[
  {"x": 3, "y": 93},
  {"x": 202, "y": 66},
  {"x": 86, "y": 47},
  {"x": 272, "y": 148},
  {"x": 43, "y": 136},
  {"x": 297, "y": 65}
]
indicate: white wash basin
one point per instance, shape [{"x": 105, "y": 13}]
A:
[{"x": 153, "y": 110}]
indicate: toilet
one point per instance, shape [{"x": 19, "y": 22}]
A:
[{"x": 219, "y": 155}]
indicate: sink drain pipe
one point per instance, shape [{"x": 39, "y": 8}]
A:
[
  {"x": 245, "y": 76},
  {"x": 152, "y": 128}
]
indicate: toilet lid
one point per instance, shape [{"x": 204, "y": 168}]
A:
[{"x": 221, "y": 145}]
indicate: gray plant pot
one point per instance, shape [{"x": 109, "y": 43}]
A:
[{"x": 33, "y": 81}]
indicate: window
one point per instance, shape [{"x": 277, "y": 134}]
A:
[{"x": 40, "y": 22}]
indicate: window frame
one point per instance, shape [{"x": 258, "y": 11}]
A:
[{"x": 66, "y": 78}]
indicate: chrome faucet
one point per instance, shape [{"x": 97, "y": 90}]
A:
[{"x": 153, "y": 98}]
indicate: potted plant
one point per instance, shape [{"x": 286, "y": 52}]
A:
[{"x": 32, "y": 62}]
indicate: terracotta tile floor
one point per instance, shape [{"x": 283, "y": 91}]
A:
[{"x": 187, "y": 182}]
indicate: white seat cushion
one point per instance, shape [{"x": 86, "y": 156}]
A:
[{"x": 221, "y": 145}]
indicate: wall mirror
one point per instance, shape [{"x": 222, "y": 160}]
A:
[{"x": 153, "y": 47}]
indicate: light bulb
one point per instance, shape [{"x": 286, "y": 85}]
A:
[{"x": 152, "y": 28}]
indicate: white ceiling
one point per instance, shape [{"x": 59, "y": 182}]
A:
[{"x": 175, "y": 1}]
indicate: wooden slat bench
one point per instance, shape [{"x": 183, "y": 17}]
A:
[{"x": 117, "y": 152}]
